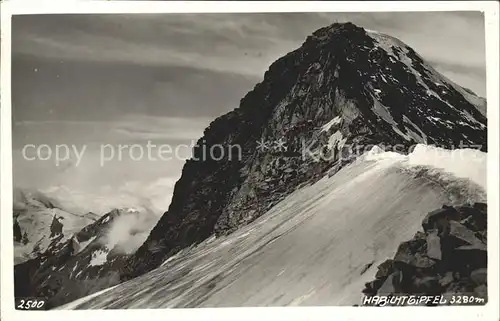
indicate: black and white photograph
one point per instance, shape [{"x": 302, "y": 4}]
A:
[{"x": 249, "y": 159}]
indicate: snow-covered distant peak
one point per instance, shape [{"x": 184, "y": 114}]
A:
[{"x": 42, "y": 223}]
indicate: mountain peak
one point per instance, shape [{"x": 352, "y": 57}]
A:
[
  {"x": 345, "y": 88},
  {"x": 338, "y": 28}
]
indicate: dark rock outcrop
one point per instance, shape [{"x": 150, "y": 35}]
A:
[
  {"x": 18, "y": 235},
  {"x": 55, "y": 227},
  {"x": 25, "y": 239},
  {"x": 445, "y": 259}
]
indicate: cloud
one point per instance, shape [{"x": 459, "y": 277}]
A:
[
  {"x": 129, "y": 231},
  {"x": 206, "y": 42},
  {"x": 244, "y": 44},
  {"x": 83, "y": 90},
  {"x": 164, "y": 128},
  {"x": 130, "y": 128}
]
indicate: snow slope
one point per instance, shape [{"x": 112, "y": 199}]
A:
[
  {"x": 35, "y": 214},
  {"x": 313, "y": 247}
]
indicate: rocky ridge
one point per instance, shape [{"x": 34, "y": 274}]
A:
[
  {"x": 344, "y": 88},
  {"x": 448, "y": 258}
]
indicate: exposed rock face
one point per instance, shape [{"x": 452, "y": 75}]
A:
[
  {"x": 56, "y": 227},
  {"x": 449, "y": 257},
  {"x": 18, "y": 236},
  {"x": 317, "y": 108}
]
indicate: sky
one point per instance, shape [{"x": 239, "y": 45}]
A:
[{"x": 128, "y": 79}]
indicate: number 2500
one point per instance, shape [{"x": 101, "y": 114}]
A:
[{"x": 30, "y": 304}]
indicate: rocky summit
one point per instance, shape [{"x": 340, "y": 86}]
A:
[
  {"x": 320, "y": 106},
  {"x": 447, "y": 259},
  {"x": 344, "y": 90}
]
